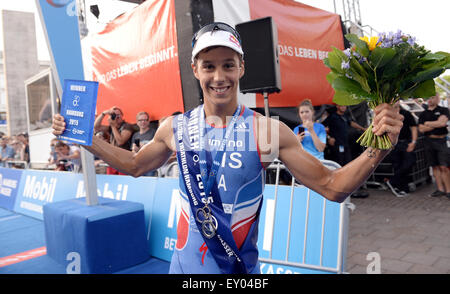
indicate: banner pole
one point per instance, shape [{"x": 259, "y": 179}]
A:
[
  {"x": 266, "y": 103},
  {"x": 67, "y": 22},
  {"x": 89, "y": 176}
]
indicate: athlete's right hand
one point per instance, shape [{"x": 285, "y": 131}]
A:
[
  {"x": 58, "y": 124},
  {"x": 301, "y": 136}
]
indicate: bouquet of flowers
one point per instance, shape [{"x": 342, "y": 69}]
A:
[{"x": 380, "y": 70}]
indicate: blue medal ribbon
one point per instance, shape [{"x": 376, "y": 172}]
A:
[
  {"x": 209, "y": 178},
  {"x": 210, "y": 218}
]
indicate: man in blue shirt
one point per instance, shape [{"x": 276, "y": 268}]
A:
[{"x": 6, "y": 153}]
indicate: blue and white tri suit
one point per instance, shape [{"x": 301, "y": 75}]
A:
[{"x": 240, "y": 185}]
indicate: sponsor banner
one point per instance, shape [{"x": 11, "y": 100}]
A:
[
  {"x": 38, "y": 188},
  {"x": 135, "y": 61},
  {"x": 9, "y": 184},
  {"x": 165, "y": 216},
  {"x": 305, "y": 36}
]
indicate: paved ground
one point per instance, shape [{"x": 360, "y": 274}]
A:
[{"x": 411, "y": 234}]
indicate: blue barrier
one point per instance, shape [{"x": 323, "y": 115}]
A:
[
  {"x": 106, "y": 238},
  {"x": 38, "y": 188},
  {"x": 316, "y": 246},
  {"x": 9, "y": 184}
]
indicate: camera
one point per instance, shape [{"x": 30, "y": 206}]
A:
[
  {"x": 61, "y": 166},
  {"x": 301, "y": 130},
  {"x": 113, "y": 116},
  {"x": 137, "y": 141}
]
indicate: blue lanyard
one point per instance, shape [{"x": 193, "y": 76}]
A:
[{"x": 209, "y": 178}]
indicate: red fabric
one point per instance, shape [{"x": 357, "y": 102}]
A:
[
  {"x": 135, "y": 60},
  {"x": 305, "y": 35}
]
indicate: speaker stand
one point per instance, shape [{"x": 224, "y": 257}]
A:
[{"x": 266, "y": 103}]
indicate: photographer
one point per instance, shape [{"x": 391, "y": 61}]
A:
[
  {"x": 68, "y": 157},
  {"x": 145, "y": 135},
  {"x": 119, "y": 131}
]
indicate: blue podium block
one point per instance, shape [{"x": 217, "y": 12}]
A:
[{"x": 105, "y": 238}]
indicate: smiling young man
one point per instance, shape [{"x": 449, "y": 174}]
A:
[{"x": 222, "y": 150}]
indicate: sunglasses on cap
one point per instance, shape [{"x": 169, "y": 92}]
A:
[{"x": 215, "y": 26}]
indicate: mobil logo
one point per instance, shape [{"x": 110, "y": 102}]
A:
[
  {"x": 40, "y": 188},
  {"x": 117, "y": 191},
  {"x": 58, "y": 3}
]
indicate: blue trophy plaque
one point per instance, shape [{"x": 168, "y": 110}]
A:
[{"x": 78, "y": 104}]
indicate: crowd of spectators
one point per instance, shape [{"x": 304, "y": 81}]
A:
[
  {"x": 14, "y": 151},
  {"x": 328, "y": 137}
]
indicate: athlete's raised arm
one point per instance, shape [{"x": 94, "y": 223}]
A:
[
  {"x": 153, "y": 155},
  {"x": 337, "y": 184}
]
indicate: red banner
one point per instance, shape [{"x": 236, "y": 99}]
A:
[
  {"x": 135, "y": 60},
  {"x": 305, "y": 36}
]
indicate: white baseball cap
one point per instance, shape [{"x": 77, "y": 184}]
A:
[{"x": 216, "y": 37}]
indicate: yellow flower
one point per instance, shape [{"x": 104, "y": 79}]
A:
[
  {"x": 365, "y": 39},
  {"x": 371, "y": 43}
]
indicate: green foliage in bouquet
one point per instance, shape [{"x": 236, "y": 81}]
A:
[{"x": 380, "y": 70}]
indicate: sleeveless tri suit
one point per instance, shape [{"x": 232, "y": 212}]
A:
[{"x": 239, "y": 184}]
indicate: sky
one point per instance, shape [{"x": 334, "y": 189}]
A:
[
  {"x": 426, "y": 20},
  {"x": 30, "y": 6}
]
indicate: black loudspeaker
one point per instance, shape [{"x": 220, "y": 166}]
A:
[{"x": 262, "y": 65}]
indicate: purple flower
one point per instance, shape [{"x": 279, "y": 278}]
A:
[
  {"x": 392, "y": 39},
  {"x": 386, "y": 44},
  {"x": 390, "y": 35},
  {"x": 347, "y": 52},
  {"x": 345, "y": 64},
  {"x": 397, "y": 40},
  {"x": 411, "y": 40}
]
